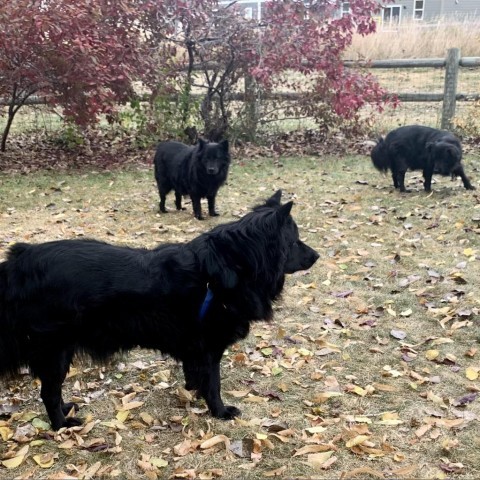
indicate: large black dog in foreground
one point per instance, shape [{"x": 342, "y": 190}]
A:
[
  {"x": 188, "y": 300},
  {"x": 415, "y": 147},
  {"x": 198, "y": 171}
]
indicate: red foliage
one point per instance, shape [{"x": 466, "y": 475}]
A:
[
  {"x": 82, "y": 55},
  {"x": 312, "y": 39}
]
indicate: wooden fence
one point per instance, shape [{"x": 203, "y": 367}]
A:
[{"x": 452, "y": 65}]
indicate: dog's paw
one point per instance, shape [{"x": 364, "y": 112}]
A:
[
  {"x": 229, "y": 413},
  {"x": 470, "y": 187},
  {"x": 72, "y": 422},
  {"x": 199, "y": 217},
  {"x": 214, "y": 214}
]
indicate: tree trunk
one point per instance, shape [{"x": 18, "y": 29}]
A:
[{"x": 6, "y": 130}]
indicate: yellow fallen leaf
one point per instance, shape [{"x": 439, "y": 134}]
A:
[
  {"x": 435, "y": 399},
  {"x": 471, "y": 373},
  {"x": 122, "y": 415},
  {"x": 45, "y": 461},
  {"x": 17, "y": 460},
  {"x": 359, "y": 391},
  {"x": 5, "y": 433},
  {"x": 304, "y": 352},
  {"x": 131, "y": 406},
  {"x": 469, "y": 252},
  {"x": 158, "y": 462},
  {"x": 358, "y": 440},
  {"x": 406, "y": 313},
  {"x": 432, "y": 354}
]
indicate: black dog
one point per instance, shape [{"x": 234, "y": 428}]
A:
[
  {"x": 198, "y": 171},
  {"x": 188, "y": 300},
  {"x": 416, "y": 147}
]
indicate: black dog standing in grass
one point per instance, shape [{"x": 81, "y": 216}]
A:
[
  {"x": 189, "y": 300},
  {"x": 198, "y": 171},
  {"x": 415, "y": 147}
]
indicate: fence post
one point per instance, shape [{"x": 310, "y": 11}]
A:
[
  {"x": 251, "y": 106},
  {"x": 450, "y": 90}
]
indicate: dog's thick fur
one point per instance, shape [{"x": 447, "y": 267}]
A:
[
  {"x": 83, "y": 296},
  {"x": 415, "y": 147},
  {"x": 198, "y": 171}
]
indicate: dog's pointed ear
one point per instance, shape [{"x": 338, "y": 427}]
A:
[
  {"x": 201, "y": 145},
  {"x": 224, "y": 145},
  {"x": 274, "y": 200},
  {"x": 284, "y": 211}
]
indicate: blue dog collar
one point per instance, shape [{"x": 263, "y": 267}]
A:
[{"x": 205, "y": 305}]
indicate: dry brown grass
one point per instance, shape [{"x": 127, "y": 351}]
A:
[
  {"x": 332, "y": 332},
  {"x": 418, "y": 40}
]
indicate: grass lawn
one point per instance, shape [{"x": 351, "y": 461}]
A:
[{"x": 369, "y": 370}]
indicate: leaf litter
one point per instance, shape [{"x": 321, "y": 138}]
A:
[{"x": 370, "y": 368}]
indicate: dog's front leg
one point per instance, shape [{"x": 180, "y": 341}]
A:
[
  {"x": 211, "y": 206},
  {"x": 466, "y": 182},
  {"x": 52, "y": 369},
  {"x": 401, "y": 181},
  {"x": 197, "y": 208},
  {"x": 204, "y": 375},
  {"x": 427, "y": 176}
]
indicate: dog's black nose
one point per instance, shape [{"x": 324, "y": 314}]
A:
[{"x": 211, "y": 171}]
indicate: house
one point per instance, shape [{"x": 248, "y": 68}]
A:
[
  {"x": 428, "y": 10},
  {"x": 392, "y": 13}
]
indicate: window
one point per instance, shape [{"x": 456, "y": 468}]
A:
[
  {"x": 418, "y": 9},
  {"x": 248, "y": 13},
  {"x": 345, "y": 8},
  {"x": 391, "y": 16}
]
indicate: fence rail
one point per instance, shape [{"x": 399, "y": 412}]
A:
[{"x": 452, "y": 65}]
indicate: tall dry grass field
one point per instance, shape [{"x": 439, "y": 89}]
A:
[{"x": 418, "y": 40}]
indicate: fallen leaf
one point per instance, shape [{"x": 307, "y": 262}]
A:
[
  {"x": 45, "y": 461},
  {"x": 471, "y": 373},
  {"x": 17, "y": 460},
  {"x": 317, "y": 460},
  {"x": 361, "y": 471},
  {"x": 214, "y": 441}
]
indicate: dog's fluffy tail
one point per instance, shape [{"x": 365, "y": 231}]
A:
[
  {"x": 379, "y": 155},
  {"x": 11, "y": 359}
]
